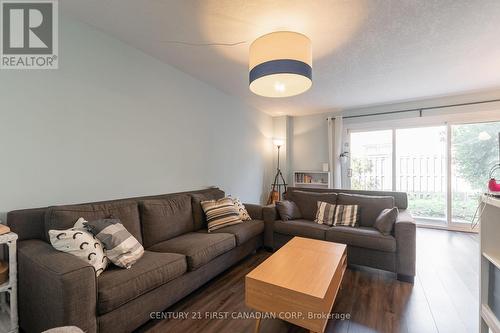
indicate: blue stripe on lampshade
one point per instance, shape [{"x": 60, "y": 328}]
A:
[{"x": 280, "y": 66}]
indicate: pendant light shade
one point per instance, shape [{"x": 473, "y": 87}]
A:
[{"x": 280, "y": 64}]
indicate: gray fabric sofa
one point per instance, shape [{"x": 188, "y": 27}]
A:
[
  {"x": 57, "y": 289},
  {"x": 365, "y": 245}
]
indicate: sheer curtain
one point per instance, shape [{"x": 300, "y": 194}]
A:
[{"x": 335, "y": 135}]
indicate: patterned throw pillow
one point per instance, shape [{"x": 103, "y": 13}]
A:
[
  {"x": 80, "y": 224},
  {"x": 325, "y": 213},
  {"x": 220, "y": 213},
  {"x": 82, "y": 244},
  {"x": 120, "y": 246},
  {"x": 346, "y": 215},
  {"x": 242, "y": 211}
]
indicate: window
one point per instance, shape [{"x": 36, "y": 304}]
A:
[
  {"x": 474, "y": 151},
  {"x": 444, "y": 169}
]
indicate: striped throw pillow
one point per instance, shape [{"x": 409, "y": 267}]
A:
[
  {"x": 220, "y": 213},
  {"x": 346, "y": 215},
  {"x": 121, "y": 248},
  {"x": 325, "y": 213}
]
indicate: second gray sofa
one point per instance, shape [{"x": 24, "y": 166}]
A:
[{"x": 365, "y": 245}]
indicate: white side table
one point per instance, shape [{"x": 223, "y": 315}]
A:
[{"x": 10, "y": 239}]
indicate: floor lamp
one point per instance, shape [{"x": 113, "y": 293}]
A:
[{"x": 279, "y": 180}]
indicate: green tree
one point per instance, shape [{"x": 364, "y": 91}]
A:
[
  {"x": 359, "y": 167},
  {"x": 473, "y": 157}
]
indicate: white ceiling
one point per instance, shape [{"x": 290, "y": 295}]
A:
[{"x": 365, "y": 52}]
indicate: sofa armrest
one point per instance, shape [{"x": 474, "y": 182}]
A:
[
  {"x": 255, "y": 211},
  {"x": 55, "y": 289},
  {"x": 406, "y": 239},
  {"x": 270, "y": 214}
]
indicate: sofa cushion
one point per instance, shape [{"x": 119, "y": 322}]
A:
[
  {"x": 243, "y": 231},
  {"x": 364, "y": 237},
  {"x": 64, "y": 217},
  {"x": 198, "y": 247},
  {"x": 371, "y": 206},
  {"x": 199, "y": 218},
  {"x": 308, "y": 201},
  {"x": 117, "y": 286},
  {"x": 163, "y": 219},
  {"x": 304, "y": 228}
]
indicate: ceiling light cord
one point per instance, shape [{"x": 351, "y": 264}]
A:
[{"x": 202, "y": 44}]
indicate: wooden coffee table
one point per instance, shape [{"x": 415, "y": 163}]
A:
[{"x": 298, "y": 283}]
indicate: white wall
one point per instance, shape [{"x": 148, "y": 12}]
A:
[
  {"x": 310, "y": 142},
  {"x": 309, "y": 134},
  {"x": 113, "y": 122},
  {"x": 280, "y": 125}
]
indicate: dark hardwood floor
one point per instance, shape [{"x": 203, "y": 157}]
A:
[{"x": 443, "y": 299}]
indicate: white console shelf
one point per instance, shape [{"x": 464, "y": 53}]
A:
[
  {"x": 489, "y": 288},
  {"x": 311, "y": 179}
]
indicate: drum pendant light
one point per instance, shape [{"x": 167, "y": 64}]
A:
[{"x": 280, "y": 64}]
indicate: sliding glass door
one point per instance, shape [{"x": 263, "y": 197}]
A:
[
  {"x": 421, "y": 171},
  {"x": 444, "y": 169},
  {"x": 371, "y": 160}
]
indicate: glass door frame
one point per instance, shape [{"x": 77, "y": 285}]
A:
[{"x": 418, "y": 123}]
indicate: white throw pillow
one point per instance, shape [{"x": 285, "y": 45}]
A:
[
  {"x": 244, "y": 216},
  {"x": 82, "y": 244}
]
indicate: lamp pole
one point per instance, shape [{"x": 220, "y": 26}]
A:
[
  {"x": 279, "y": 180},
  {"x": 279, "y": 157}
]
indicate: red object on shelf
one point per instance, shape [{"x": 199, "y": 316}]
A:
[{"x": 494, "y": 186}]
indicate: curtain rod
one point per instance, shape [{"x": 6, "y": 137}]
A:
[{"x": 420, "y": 110}]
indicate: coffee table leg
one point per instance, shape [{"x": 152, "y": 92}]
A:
[{"x": 257, "y": 326}]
